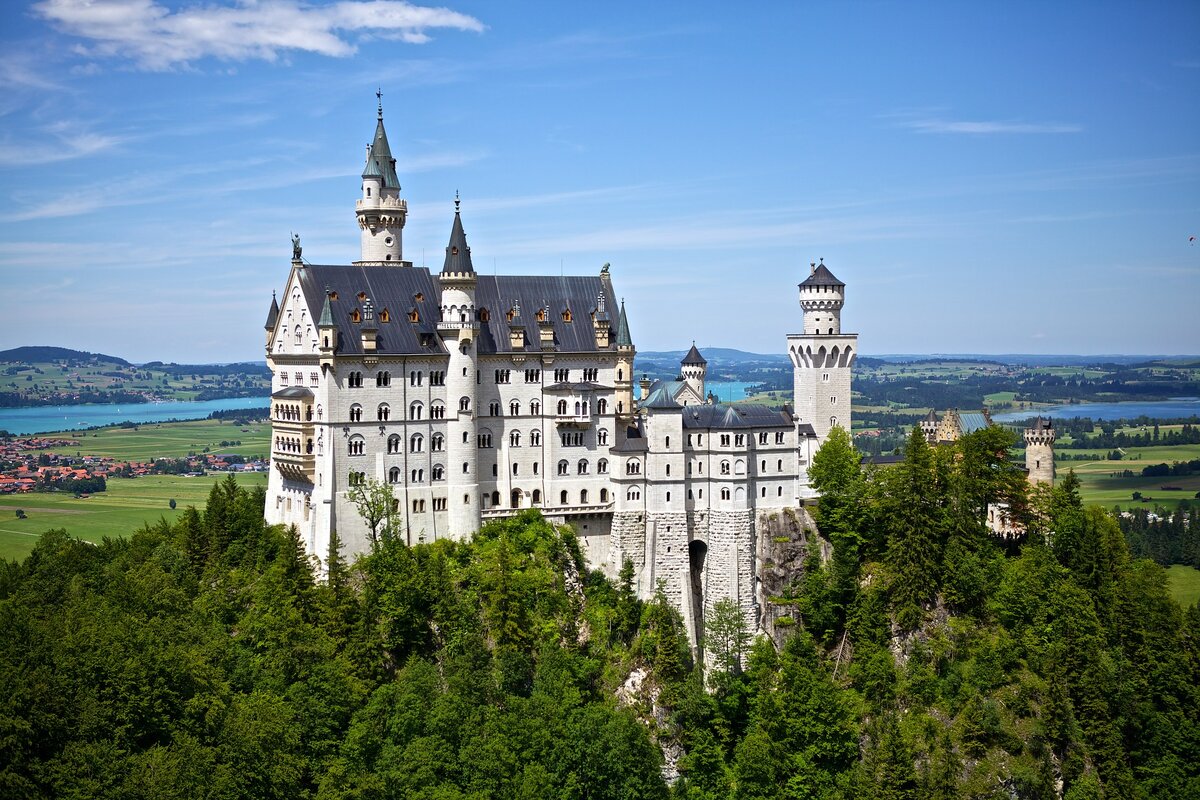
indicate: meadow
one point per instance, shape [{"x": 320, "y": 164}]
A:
[
  {"x": 171, "y": 440},
  {"x": 1184, "y": 583},
  {"x": 128, "y": 504}
]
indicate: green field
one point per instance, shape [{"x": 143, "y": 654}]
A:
[
  {"x": 125, "y": 507},
  {"x": 1184, "y": 583},
  {"x": 169, "y": 440}
]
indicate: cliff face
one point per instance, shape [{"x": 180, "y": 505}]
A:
[{"x": 781, "y": 547}]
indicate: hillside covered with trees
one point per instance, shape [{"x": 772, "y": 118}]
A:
[{"x": 929, "y": 660}]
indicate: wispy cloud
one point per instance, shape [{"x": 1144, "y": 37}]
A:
[
  {"x": 18, "y": 70},
  {"x": 61, "y": 141},
  {"x": 977, "y": 127},
  {"x": 157, "y": 38}
]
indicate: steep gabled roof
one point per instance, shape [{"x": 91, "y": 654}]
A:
[
  {"x": 718, "y": 416},
  {"x": 623, "y": 337},
  {"x": 273, "y": 314},
  {"x": 660, "y": 399},
  {"x": 380, "y": 163}
]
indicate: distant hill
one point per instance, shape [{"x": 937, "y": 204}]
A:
[{"x": 42, "y": 355}]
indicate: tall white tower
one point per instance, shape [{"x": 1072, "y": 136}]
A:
[
  {"x": 1039, "y": 451},
  {"x": 822, "y": 356},
  {"x": 381, "y": 213},
  {"x": 460, "y": 333},
  {"x": 693, "y": 368}
]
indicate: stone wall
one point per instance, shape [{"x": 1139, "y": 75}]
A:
[{"x": 781, "y": 548}]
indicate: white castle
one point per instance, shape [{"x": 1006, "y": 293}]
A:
[{"x": 474, "y": 397}]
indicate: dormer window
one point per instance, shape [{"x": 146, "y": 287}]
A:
[
  {"x": 384, "y": 316},
  {"x": 333, "y": 296},
  {"x": 362, "y": 296},
  {"x": 541, "y": 315},
  {"x": 414, "y": 315},
  {"x": 355, "y": 316},
  {"x": 453, "y": 251},
  {"x": 566, "y": 315},
  {"x": 419, "y": 296},
  {"x": 484, "y": 315}
]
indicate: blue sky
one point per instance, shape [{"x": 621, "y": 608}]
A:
[{"x": 986, "y": 177}]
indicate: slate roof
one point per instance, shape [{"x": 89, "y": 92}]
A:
[
  {"x": 1042, "y": 424},
  {"x": 635, "y": 441},
  {"x": 458, "y": 254},
  {"x": 719, "y": 416},
  {"x": 379, "y": 158},
  {"x": 971, "y": 422},
  {"x": 693, "y": 357},
  {"x": 623, "y": 337},
  {"x": 821, "y": 276},
  {"x": 395, "y": 289},
  {"x": 292, "y": 393},
  {"x": 660, "y": 399},
  {"x": 273, "y": 314}
]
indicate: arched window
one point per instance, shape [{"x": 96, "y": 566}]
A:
[
  {"x": 466, "y": 468},
  {"x": 668, "y": 470},
  {"x": 562, "y": 498},
  {"x": 583, "y": 497},
  {"x": 514, "y": 408},
  {"x": 495, "y": 498},
  {"x": 383, "y": 378},
  {"x": 583, "y": 466},
  {"x": 516, "y": 468},
  {"x": 394, "y": 475},
  {"x": 577, "y": 408},
  {"x": 634, "y": 493},
  {"x": 724, "y": 467},
  {"x": 437, "y": 442},
  {"x": 562, "y": 408},
  {"x": 383, "y": 412},
  {"x": 416, "y": 443},
  {"x": 537, "y": 497},
  {"x": 514, "y": 439},
  {"x": 833, "y": 422},
  {"x": 739, "y": 467},
  {"x": 602, "y": 437},
  {"x": 494, "y": 408},
  {"x": 604, "y": 495},
  {"x": 602, "y": 466},
  {"x": 320, "y": 412},
  {"x": 393, "y": 443},
  {"x": 356, "y": 413},
  {"x": 464, "y": 404},
  {"x": 535, "y": 407},
  {"x": 725, "y": 494},
  {"x": 437, "y": 410},
  {"x": 299, "y": 335},
  {"x": 563, "y": 467},
  {"x": 535, "y": 437},
  {"x": 779, "y": 465},
  {"x": 601, "y": 406},
  {"x": 357, "y": 445},
  {"x": 415, "y": 409},
  {"x": 633, "y": 467},
  {"x": 438, "y": 473}
]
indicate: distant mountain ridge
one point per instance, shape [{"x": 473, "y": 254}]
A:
[{"x": 41, "y": 355}]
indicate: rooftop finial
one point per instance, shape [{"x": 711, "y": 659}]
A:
[
  {"x": 812, "y": 267},
  {"x": 456, "y": 201},
  {"x": 379, "y": 97}
]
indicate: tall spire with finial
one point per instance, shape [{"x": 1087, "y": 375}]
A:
[
  {"x": 458, "y": 254},
  {"x": 380, "y": 211}
]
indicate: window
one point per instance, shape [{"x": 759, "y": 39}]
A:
[
  {"x": 438, "y": 473},
  {"x": 724, "y": 494},
  {"x": 571, "y": 438},
  {"x": 495, "y": 472},
  {"x": 563, "y": 467},
  {"x": 583, "y": 466},
  {"x": 283, "y": 379},
  {"x": 514, "y": 408},
  {"x": 514, "y": 439},
  {"x": 562, "y": 408},
  {"x": 439, "y": 504},
  {"x": 356, "y": 413},
  {"x": 418, "y": 506},
  {"x": 535, "y": 407},
  {"x": 833, "y": 422},
  {"x": 535, "y": 437},
  {"x": 415, "y": 409},
  {"x": 383, "y": 412},
  {"x": 833, "y": 400},
  {"x": 764, "y": 491},
  {"x": 780, "y": 465},
  {"x": 602, "y": 466},
  {"x": 436, "y": 443},
  {"x": 494, "y": 408},
  {"x": 562, "y": 498},
  {"x": 724, "y": 467},
  {"x": 383, "y": 379},
  {"x": 464, "y": 404},
  {"x": 535, "y": 468},
  {"x": 562, "y": 375},
  {"x": 668, "y": 442},
  {"x": 418, "y": 476},
  {"x": 416, "y": 443},
  {"x": 516, "y": 468},
  {"x": 763, "y": 468},
  {"x": 393, "y": 443},
  {"x": 583, "y": 497},
  {"x": 354, "y": 380},
  {"x": 633, "y": 467},
  {"x": 604, "y": 495},
  {"x": 668, "y": 497},
  {"x": 356, "y": 478},
  {"x": 724, "y": 440},
  {"x": 825, "y": 377},
  {"x": 533, "y": 376},
  {"x": 466, "y": 471},
  {"x": 415, "y": 377},
  {"x": 634, "y": 493},
  {"x": 779, "y": 437},
  {"x": 437, "y": 378},
  {"x": 503, "y": 375},
  {"x": 602, "y": 437},
  {"x": 668, "y": 470},
  {"x": 537, "y": 497},
  {"x": 739, "y": 440},
  {"x": 779, "y": 491},
  {"x": 314, "y": 378},
  {"x": 591, "y": 375},
  {"x": 484, "y": 440},
  {"x": 437, "y": 410},
  {"x": 762, "y": 438},
  {"x": 602, "y": 406}
]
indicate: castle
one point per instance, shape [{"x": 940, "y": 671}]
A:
[{"x": 473, "y": 397}]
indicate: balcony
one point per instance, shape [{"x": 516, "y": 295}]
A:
[{"x": 295, "y": 466}]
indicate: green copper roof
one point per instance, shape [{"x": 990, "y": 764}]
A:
[
  {"x": 623, "y": 337},
  {"x": 326, "y": 320},
  {"x": 458, "y": 255},
  {"x": 379, "y": 158}
]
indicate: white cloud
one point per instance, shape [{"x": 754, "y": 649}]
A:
[
  {"x": 986, "y": 127},
  {"x": 158, "y": 38},
  {"x": 62, "y": 141}
]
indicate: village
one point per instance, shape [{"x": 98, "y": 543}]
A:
[{"x": 31, "y": 464}]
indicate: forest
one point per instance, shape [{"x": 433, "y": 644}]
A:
[{"x": 205, "y": 658}]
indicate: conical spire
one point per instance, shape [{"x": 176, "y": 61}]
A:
[
  {"x": 693, "y": 358},
  {"x": 379, "y": 155},
  {"x": 458, "y": 255},
  {"x": 623, "y": 337},
  {"x": 273, "y": 314},
  {"x": 326, "y": 320}
]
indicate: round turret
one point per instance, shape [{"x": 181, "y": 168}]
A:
[
  {"x": 1039, "y": 451},
  {"x": 821, "y": 298}
]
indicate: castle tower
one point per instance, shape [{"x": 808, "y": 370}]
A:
[
  {"x": 272, "y": 318},
  {"x": 625, "y": 353},
  {"x": 459, "y": 332},
  {"x": 822, "y": 356},
  {"x": 693, "y": 368},
  {"x": 1039, "y": 451},
  {"x": 381, "y": 213}
]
